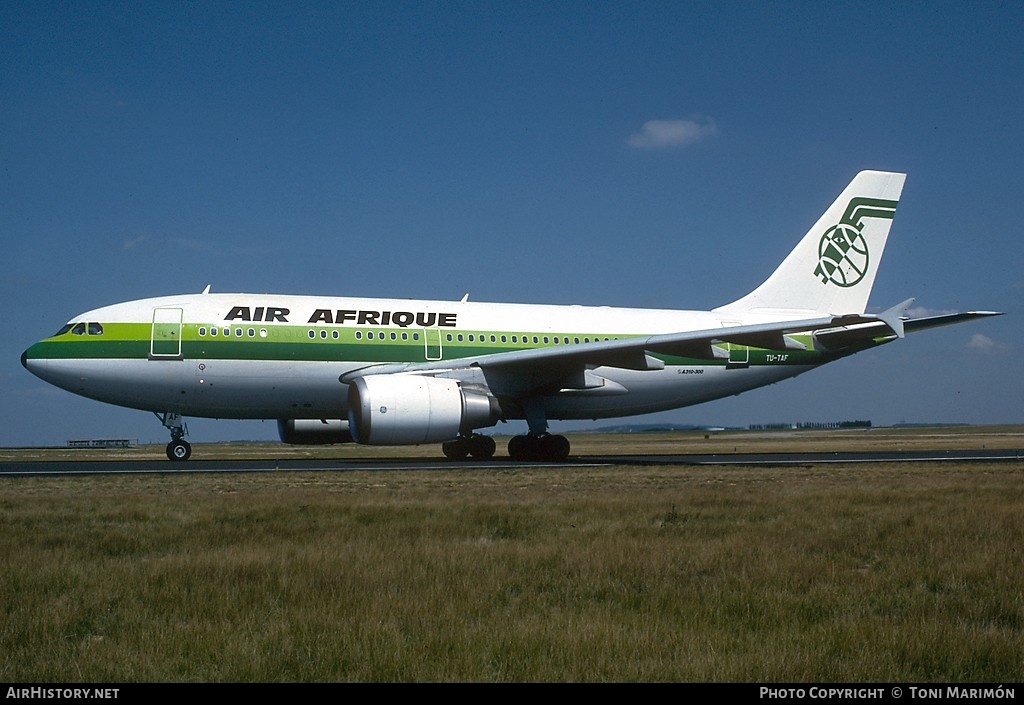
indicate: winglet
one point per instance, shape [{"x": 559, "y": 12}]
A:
[{"x": 893, "y": 317}]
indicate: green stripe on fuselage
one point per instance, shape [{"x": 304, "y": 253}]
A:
[{"x": 132, "y": 341}]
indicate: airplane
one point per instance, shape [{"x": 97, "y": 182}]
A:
[{"x": 408, "y": 372}]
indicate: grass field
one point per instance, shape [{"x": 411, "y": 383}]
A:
[{"x": 907, "y": 572}]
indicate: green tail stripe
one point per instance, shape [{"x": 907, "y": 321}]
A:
[{"x": 860, "y": 208}]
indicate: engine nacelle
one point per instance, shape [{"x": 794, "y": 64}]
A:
[
  {"x": 313, "y": 432},
  {"x": 401, "y": 409}
]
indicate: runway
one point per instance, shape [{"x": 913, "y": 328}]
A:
[{"x": 137, "y": 467}]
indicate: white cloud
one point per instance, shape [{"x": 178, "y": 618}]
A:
[
  {"x": 134, "y": 242},
  {"x": 981, "y": 343},
  {"x": 661, "y": 134}
]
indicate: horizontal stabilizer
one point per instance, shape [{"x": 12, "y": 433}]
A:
[
  {"x": 889, "y": 324},
  {"x": 916, "y": 324}
]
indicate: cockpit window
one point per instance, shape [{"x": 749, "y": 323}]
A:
[{"x": 81, "y": 329}]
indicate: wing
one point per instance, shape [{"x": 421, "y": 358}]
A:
[{"x": 549, "y": 369}]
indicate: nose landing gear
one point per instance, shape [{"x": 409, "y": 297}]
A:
[{"x": 178, "y": 448}]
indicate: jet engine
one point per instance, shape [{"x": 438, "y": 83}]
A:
[
  {"x": 411, "y": 409},
  {"x": 313, "y": 432}
]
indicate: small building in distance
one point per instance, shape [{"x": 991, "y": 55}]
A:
[
  {"x": 809, "y": 426},
  {"x": 103, "y": 443}
]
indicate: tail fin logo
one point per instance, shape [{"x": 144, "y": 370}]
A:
[{"x": 843, "y": 255}]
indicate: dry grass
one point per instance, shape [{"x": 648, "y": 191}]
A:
[{"x": 850, "y": 573}]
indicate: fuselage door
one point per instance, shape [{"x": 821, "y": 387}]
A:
[
  {"x": 165, "y": 343},
  {"x": 432, "y": 344}
]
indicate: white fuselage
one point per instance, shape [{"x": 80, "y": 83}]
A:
[{"x": 204, "y": 380}]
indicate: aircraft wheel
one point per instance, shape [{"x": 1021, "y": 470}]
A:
[
  {"x": 555, "y": 447},
  {"x": 481, "y": 447},
  {"x": 455, "y": 450},
  {"x": 519, "y": 448},
  {"x": 178, "y": 450},
  {"x": 546, "y": 447}
]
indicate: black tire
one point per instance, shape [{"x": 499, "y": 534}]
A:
[
  {"x": 482, "y": 447},
  {"x": 178, "y": 450},
  {"x": 539, "y": 448},
  {"x": 519, "y": 448},
  {"x": 555, "y": 448},
  {"x": 455, "y": 450}
]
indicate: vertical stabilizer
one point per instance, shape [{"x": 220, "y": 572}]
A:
[{"x": 832, "y": 269}]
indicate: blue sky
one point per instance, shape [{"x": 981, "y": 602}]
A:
[{"x": 648, "y": 154}]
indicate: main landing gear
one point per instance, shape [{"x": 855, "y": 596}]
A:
[
  {"x": 477, "y": 445},
  {"x": 546, "y": 446},
  {"x": 538, "y": 444},
  {"x": 178, "y": 448}
]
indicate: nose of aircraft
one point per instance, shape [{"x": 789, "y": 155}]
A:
[
  {"x": 32, "y": 362},
  {"x": 37, "y": 359}
]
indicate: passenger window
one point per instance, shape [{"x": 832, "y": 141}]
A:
[
  {"x": 213, "y": 332},
  {"x": 202, "y": 332},
  {"x": 252, "y": 332}
]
